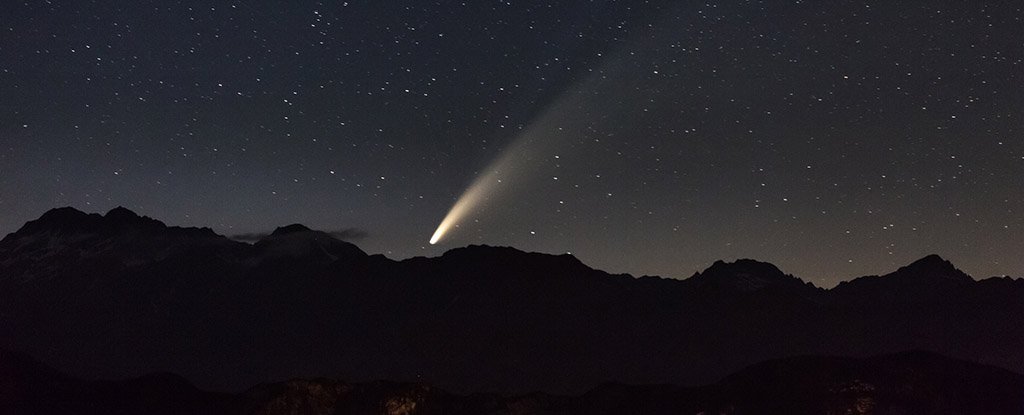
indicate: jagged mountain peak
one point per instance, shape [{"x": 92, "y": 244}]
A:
[
  {"x": 125, "y": 219},
  {"x": 931, "y": 259},
  {"x": 299, "y": 241},
  {"x": 62, "y": 214},
  {"x": 506, "y": 253},
  {"x": 71, "y": 220},
  {"x": 56, "y": 242},
  {"x": 119, "y": 221},
  {"x": 928, "y": 278},
  {"x": 60, "y": 219},
  {"x": 932, "y": 267},
  {"x": 744, "y": 275},
  {"x": 289, "y": 229},
  {"x": 121, "y": 213},
  {"x": 746, "y": 266},
  {"x": 483, "y": 249}
]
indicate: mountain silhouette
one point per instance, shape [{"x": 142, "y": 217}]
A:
[
  {"x": 748, "y": 275},
  {"x": 119, "y": 295},
  {"x": 299, "y": 242}
]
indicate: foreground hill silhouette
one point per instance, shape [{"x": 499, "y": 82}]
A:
[
  {"x": 119, "y": 295},
  {"x": 904, "y": 383}
]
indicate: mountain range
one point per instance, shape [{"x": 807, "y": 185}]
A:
[
  {"x": 904, "y": 383},
  {"x": 120, "y": 295}
]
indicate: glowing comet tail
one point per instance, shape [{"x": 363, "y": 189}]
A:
[
  {"x": 458, "y": 210},
  {"x": 518, "y": 160},
  {"x": 480, "y": 190},
  {"x": 546, "y": 133}
]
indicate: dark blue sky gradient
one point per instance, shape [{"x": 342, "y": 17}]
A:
[{"x": 834, "y": 140}]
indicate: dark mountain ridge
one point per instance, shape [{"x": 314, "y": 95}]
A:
[
  {"x": 912, "y": 382},
  {"x": 748, "y": 276},
  {"x": 118, "y": 295},
  {"x": 70, "y": 221}
]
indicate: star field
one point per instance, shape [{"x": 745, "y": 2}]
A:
[{"x": 834, "y": 140}]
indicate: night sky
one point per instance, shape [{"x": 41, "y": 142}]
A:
[{"x": 834, "y": 139}]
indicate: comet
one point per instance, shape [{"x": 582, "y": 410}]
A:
[
  {"x": 471, "y": 197},
  {"x": 483, "y": 187},
  {"x": 585, "y": 105},
  {"x": 514, "y": 166},
  {"x": 524, "y": 157}
]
